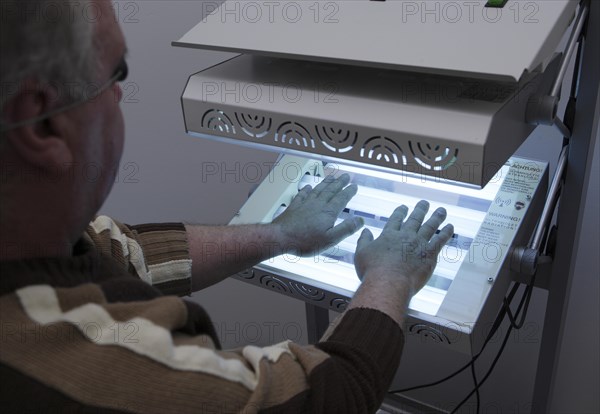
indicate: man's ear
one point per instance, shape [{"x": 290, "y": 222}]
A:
[{"x": 42, "y": 144}]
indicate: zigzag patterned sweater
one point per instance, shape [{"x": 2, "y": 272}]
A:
[{"x": 103, "y": 332}]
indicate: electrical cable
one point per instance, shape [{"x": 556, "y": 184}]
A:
[
  {"x": 511, "y": 317},
  {"x": 489, "y": 371},
  {"x": 525, "y": 298},
  {"x": 495, "y": 326},
  {"x": 477, "y": 399}
]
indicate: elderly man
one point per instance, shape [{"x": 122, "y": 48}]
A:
[{"x": 85, "y": 321}]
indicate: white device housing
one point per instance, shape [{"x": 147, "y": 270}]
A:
[{"x": 461, "y": 300}]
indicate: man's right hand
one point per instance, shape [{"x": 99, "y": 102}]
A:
[{"x": 406, "y": 251}]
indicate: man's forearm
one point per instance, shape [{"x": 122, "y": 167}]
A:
[
  {"x": 218, "y": 252},
  {"x": 306, "y": 227}
]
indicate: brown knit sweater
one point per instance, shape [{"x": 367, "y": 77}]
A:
[{"x": 95, "y": 333}]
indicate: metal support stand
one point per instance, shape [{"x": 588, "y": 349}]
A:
[
  {"x": 570, "y": 214},
  {"x": 317, "y": 322}
]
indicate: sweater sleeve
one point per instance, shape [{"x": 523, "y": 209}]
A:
[
  {"x": 159, "y": 356},
  {"x": 156, "y": 253}
]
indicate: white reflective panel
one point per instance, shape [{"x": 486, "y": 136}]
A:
[
  {"x": 378, "y": 195},
  {"x": 380, "y": 204},
  {"x": 427, "y": 300}
]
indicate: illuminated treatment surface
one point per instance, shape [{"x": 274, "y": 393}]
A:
[{"x": 378, "y": 195}]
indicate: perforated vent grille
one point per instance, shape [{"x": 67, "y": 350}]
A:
[
  {"x": 384, "y": 150},
  {"x": 436, "y": 158},
  {"x": 254, "y": 126},
  {"x": 293, "y": 134},
  {"x": 293, "y": 288},
  {"x": 217, "y": 120},
  {"x": 389, "y": 151},
  {"x": 429, "y": 332},
  {"x": 336, "y": 139}
]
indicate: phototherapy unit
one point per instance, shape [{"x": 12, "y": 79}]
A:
[{"x": 413, "y": 109}]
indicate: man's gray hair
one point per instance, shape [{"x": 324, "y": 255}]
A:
[{"x": 49, "y": 40}]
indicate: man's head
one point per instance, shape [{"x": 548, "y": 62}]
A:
[{"x": 62, "y": 128}]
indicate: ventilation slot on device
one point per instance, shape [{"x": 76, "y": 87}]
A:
[
  {"x": 429, "y": 333},
  {"x": 436, "y": 158},
  {"x": 255, "y": 126},
  {"x": 309, "y": 292},
  {"x": 294, "y": 134},
  {"x": 337, "y": 140},
  {"x": 275, "y": 283},
  {"x": 384, "y": 150},
  {"x": 216, "y": 120}
]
